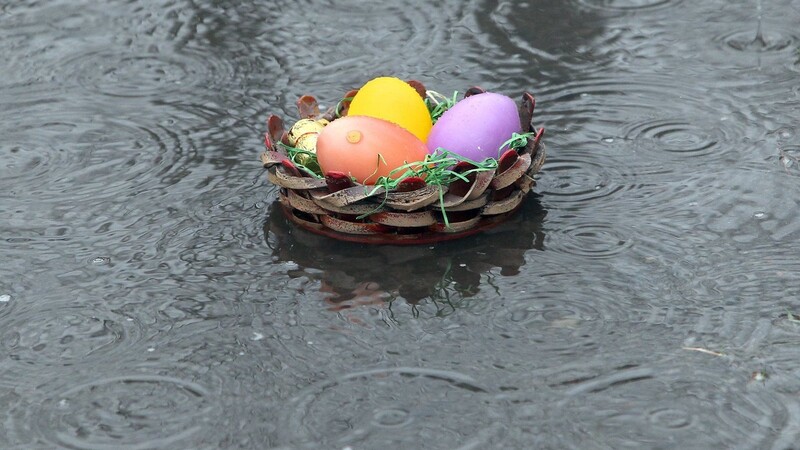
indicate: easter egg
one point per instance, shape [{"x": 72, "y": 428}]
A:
[
  {"x": 393, "y": 100},
  {"x": 476, "y": 126},
  {"x": 303, "y": 133},
  {"x": 367, "y": 148}
]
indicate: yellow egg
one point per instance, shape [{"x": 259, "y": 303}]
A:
[{"x": 393, "y": 100}]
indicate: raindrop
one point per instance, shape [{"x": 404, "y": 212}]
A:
[
  {"x": 5, "y": 298},
  {"x": 393, "y": 417},
  {"x": 101, "y": 260}
]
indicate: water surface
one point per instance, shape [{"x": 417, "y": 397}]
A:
[{"x": 152, "y": 296}]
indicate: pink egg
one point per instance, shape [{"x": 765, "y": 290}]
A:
[
  {"x": 476, "y": 126},
  {"x": 367, "y": 148}
]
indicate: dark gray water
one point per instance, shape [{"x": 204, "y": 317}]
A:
[{"x": 151, "y": 296}]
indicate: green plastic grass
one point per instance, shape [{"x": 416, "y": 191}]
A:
[{"x": 438, "y": 104}]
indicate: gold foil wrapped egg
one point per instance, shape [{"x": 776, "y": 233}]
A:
[
  {"x": 303, "y": 135},
  {"x": 305, "y": 128}
]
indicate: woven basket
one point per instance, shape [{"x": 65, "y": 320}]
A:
[{"x": 412, "y": 213}]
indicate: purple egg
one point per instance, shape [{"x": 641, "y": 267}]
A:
[{"x": 476, "y": 126}]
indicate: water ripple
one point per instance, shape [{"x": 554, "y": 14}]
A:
[
  {"x": 629, "y": 6},
  {"x": 789, "y": 157},
  {"x": 137, "y": 60},
  {"x": 681, "y": 401},
  {"x": 13, "y": 287},
  {"x": 7, "y": 305},
  {"x": 125, "y": 412},
  {"x": 369, "y": 408},
  {"x": 751, "y": 206},
  {"x": 576, "y": 314},
  {"x": 108, "y": 164},
  {"x": 753, "y": 45},
  {"x": 621, "y": 110},
  {"x": 582, "y": 175},
  {"x": 592, "y": 239},
  {"x": 757, "y": 272},
  {"x": 670, "y": 391},
  {"x": 521, "y": 28},
  {"x": 92, "y": 157},
  {"x": 49, "y": 339},
  {"x": 126, "y": 73},
  {"x": 676, "y": 136},
  {"x": 773, "y": 41},
  {"x": 367, "y": 31}
]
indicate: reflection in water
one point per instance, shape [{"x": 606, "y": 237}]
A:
[{"x": 353, "y": 274}]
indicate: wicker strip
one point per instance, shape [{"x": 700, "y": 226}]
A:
[
  {"x": 301, "y": 203},
  {"x": 457, "y": 227},
  {"x": 513, "y": 173},
  {"x": 350, "y": 195},
  {"x": 413, "y": 200},
  {"x": 475, "y": 204},
  {"x": 508, "y": 204},
  {"x": 397, "y": 219},
  {"x": 278, "y": 175},
  {"x": 345, "y": 226}
]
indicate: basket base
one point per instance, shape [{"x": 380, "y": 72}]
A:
[{"x": 426, "y": 237}]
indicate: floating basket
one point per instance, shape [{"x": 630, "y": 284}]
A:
[{"x": 413, "y": 212}]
